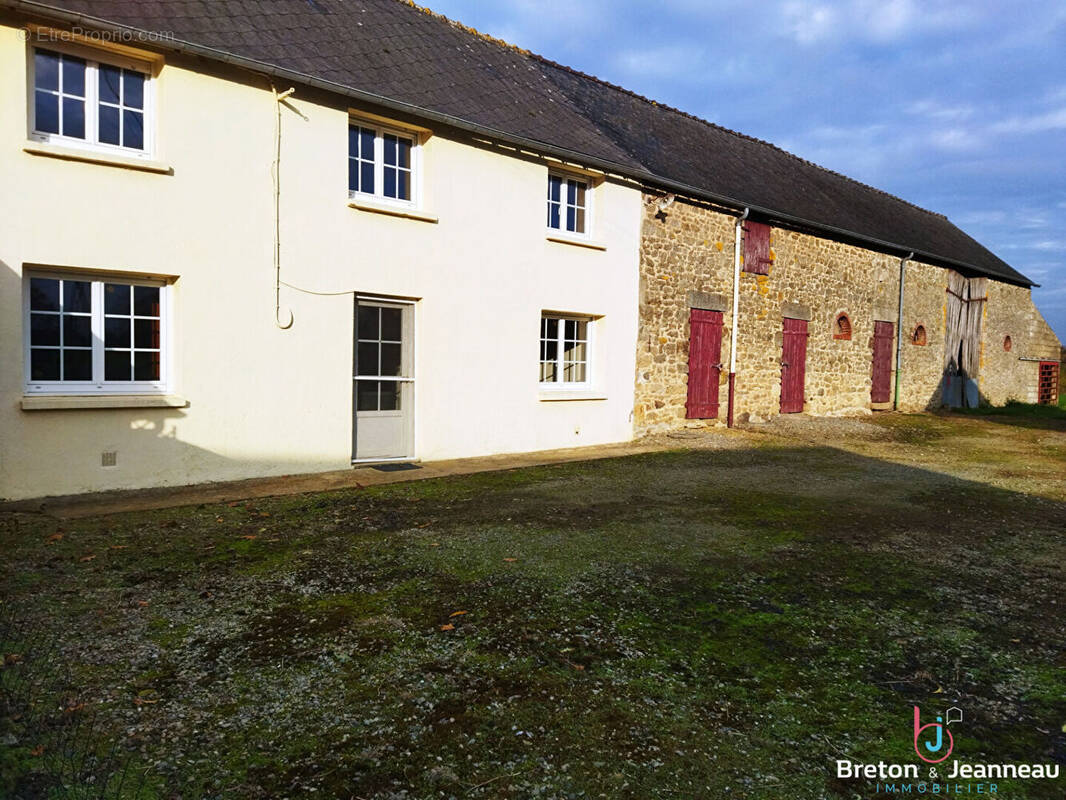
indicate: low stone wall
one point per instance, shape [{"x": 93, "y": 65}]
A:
[{"x": 687, "y": 260}]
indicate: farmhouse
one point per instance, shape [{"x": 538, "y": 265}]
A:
[{"x": 281, "y": 236}]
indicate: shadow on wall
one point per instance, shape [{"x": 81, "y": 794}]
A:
[{"x": 50, "y": 452}]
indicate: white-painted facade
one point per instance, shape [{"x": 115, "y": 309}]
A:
[{"x": 471, "y": 258}]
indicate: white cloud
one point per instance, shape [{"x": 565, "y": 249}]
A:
[
  {"x": 934, "y": 108},
  {"x": 810, "y": 22},
  {"x": 1035, "y": 123}
]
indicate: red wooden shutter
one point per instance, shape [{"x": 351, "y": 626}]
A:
[
  {"x": 757, "y": 248},
  {"x": 881, "y": 388},
  {"x": 704, "y": 363}
]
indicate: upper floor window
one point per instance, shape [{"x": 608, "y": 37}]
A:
[
  {"x": 568, "y": 205},
  {"x": 80, "y": 101},
  {"x": 382, "y": 163},
  {"x": 92, "y": 335}
]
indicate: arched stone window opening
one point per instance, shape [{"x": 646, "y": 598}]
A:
[{"x": 842, "y": 327}]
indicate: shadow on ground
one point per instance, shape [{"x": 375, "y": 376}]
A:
[{"x": 698, "y": 623}]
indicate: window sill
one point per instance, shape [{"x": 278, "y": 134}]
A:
[
  {"x": 392, "y": 211},
  {"x": 96, "y": 157},
  {"x": 589, "y": 243},
  {"x": 556, "y": 395},
  {"x": 55, "y": 402}
]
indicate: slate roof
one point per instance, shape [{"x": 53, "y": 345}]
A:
[{"x": 403, "y": 53}]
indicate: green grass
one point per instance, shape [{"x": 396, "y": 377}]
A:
[
  {"x": 1013, "y": 408},
  {"x": 702, "y": 623}
]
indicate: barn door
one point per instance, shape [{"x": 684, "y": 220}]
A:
[
  {"x": 793, "y": 365},
  {"x": 704, "y": 363},
  {"x": 881, "y": 389}
]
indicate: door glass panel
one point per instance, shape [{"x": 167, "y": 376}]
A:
[
  {"x": 367, "y": 363},
  {"x": 390, "y": 396},
  {"x": 390, "y": 359},
  {"x": 367, "y": 396},
  {"x": 369, "y": 317},
  {"x": 391, "y": 324}
]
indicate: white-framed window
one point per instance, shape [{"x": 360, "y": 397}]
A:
[
  {"x": 98, "y": 104},
  {"x": 568, "y": 204},
  {"x": 565, "y": 344},
  {"x": 383, "y": 163},
  {"x": 95, "y": 335}
]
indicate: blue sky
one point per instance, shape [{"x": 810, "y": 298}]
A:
[{"x": 959, "y": 107}]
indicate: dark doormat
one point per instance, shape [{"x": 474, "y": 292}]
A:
[{"x": 395, "y": 467}]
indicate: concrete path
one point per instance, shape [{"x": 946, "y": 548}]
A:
[{"x": 114, "y": 502}]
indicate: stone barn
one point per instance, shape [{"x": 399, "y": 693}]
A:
[{"x": 817, "y": 293}]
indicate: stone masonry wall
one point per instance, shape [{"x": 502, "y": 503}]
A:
[
  {"x": 1012, "y": 375},
  {"x": 687, "y": 259}
]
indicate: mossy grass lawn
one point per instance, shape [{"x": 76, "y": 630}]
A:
[{"x": 712, "y": 622}]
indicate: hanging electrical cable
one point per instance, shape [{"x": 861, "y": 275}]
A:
[{"x": 276, "y": 173}]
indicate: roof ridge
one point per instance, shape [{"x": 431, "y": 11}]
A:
[
  {"x": 730, "y": 131},
  {"x": 466, "y": 28},
  {"x": 521, "y": 50}
]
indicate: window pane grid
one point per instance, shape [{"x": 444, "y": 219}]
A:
[
  {"x": 59, "y": 94},
  {"x": 121, "y": 107},
  {"x": 89, "y": 333},
  {"x": 96, "y": 103},
  {"x": 131, "y": 333},
  {"x": 563, "y": 350},
  {"x": 397, "y": 167},
  {"x": 381, "y": 163},
  {"x": 378, "y": 353},
  {"x": 60, "y": 330},
  {"x": 567, "y": 204},
  {"x": 361, "y": 157}
]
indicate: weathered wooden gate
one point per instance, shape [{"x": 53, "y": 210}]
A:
[
  {"x": 704, "y": 363},
  {"x": 1047, "y": 392},
  {"x": 793, "y": 364},
  {"x": 881, "y": 389}
]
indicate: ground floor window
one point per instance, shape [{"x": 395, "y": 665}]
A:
[
  {"x": 94, "y": 334},
  {"x": 564, "y": 349}
]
